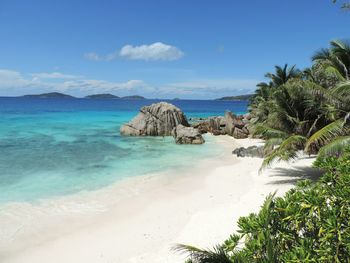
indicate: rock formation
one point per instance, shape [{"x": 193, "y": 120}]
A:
[
  {"x": 252, "y": 151},
  {"x": 187, "y": 135},
  {"x": 158, "y": 119},
  {"x": 230, "y": 124}
]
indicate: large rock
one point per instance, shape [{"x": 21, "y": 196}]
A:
[
  {"x": 233, "y": 122},
  {"x": 158, "y": 119},
  {"x": 230, "y": 124},
  {"x": 217, "y": 125},
  {"x": 239, "y": 133},
  {"x": 252, "y": 151},
  {"x": 229, "y": 121},
  {"x": 203, "y": 127},
  {"x": 187, "y": 135}
]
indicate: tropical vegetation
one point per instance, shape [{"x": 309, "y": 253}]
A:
[
  {"x": 344, "y": 4},
  {"x": 309, "y": 224},
  {"x": 305, "y": 110},
  {"x": 299, "y": 111}
]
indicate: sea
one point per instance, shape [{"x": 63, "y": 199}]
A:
[{"x": 53, "y": 147}]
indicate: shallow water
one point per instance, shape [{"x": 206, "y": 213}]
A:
[{"x": 53, "y": 147}]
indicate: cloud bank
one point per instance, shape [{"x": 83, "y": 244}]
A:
[
  {"x": 152, "y": 52},
  {"x": 14, "y": 83},
  {"x": 54, "y": 75}
]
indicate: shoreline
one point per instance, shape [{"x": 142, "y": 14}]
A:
[{"x": 139, "y": 219}]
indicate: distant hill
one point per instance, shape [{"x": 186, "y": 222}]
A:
[
  {"x": 49, "y": 95},
  {"x": 134, "y": 97},
  {"x": 240, "y": 97},
  {"x": 102, "y": 96}
]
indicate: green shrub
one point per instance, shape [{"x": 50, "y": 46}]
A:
[{"x": 309, "y": 224}]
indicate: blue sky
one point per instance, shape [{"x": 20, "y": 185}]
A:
[{"x": 165, "y": 49}]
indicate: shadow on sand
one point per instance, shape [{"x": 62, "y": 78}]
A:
[{"x": 295, "y": 174}]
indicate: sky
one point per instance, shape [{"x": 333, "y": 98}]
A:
[{"x": 199, "y": 49}]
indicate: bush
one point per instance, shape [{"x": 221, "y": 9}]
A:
[{"x": 309, "y": 224}]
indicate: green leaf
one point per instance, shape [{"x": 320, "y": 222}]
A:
[
  {"x": 335, "y": 147},
  {"x": 326, "y": 134}
]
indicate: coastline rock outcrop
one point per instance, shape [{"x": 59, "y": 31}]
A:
[
  {"x": 158, "y": 119},
  {"x": 213, "y": 125},
  {"x": 236, "y": 126},
  {"x": 252, "y": 151},
  {"x": 187, "y": 135},
  {"x": 217, "y": 125},
  {"x": 230, "y": 124}
]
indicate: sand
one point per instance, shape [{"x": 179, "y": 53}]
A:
[{"x": 140, "y": 219}]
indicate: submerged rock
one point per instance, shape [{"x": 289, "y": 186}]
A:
[
  {"x": 158, "y": 119},
  {"x": 187, "y": 135},
  {"x": 252, "y": 151}
]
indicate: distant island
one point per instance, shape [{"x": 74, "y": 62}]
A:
[
  {"x": 50, "y": 95},
  {"x": 102, "y": 96},
  {"x": 239, "y": 97},
  {"x": 134, "y": 97}
]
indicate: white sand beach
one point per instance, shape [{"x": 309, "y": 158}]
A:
[{"x": 140, "y": 219}]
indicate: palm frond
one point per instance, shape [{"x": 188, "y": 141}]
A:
[
  {"x": 285, "y": 152},
  {"x": 342, "y": 91},
  {"x": 336, "y": 43},
  {"x": 326, "y": 134},
  {"x": 268, "y": 132},
  {"x": 270, "y": 143},
  {"x": 335, "y": 148},
  {"x": 331, "y": 70},
  {"x": 322, "y": 54},
  {"x": 197, "y": 255}
]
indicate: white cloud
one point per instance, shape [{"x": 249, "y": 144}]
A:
[
  {"x": 155, "y": 51},
  {"x": 152, "y": 52},
  {"x": 87, "y": 86},
  {"x": 54, "y": 75},
  {"x": 209, "y": 88},
  {"x": 217, "y": 84},
  {"x": 13, "y": 79},
  {"x": 14, "y": 83},
  {"x": 93, "y": 56}
]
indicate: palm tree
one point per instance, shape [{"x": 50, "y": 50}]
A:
[
  {"x": 336, "y": 58},
  {"x": 282, "y": 75},
  {"x": 306, "y": 111},
  {"x": 333, "y": 137},
  {"x": 293, "y": 111},
  {"x": 322, "y": 74},
  {"x": 306, "y": 117},
  {"x": 260, "y": 103}
]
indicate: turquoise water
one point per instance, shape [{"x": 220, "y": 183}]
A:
[{"x": 51, "y": 147}]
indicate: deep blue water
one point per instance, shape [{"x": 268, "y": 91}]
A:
[{"x": 52, "y": 147}]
